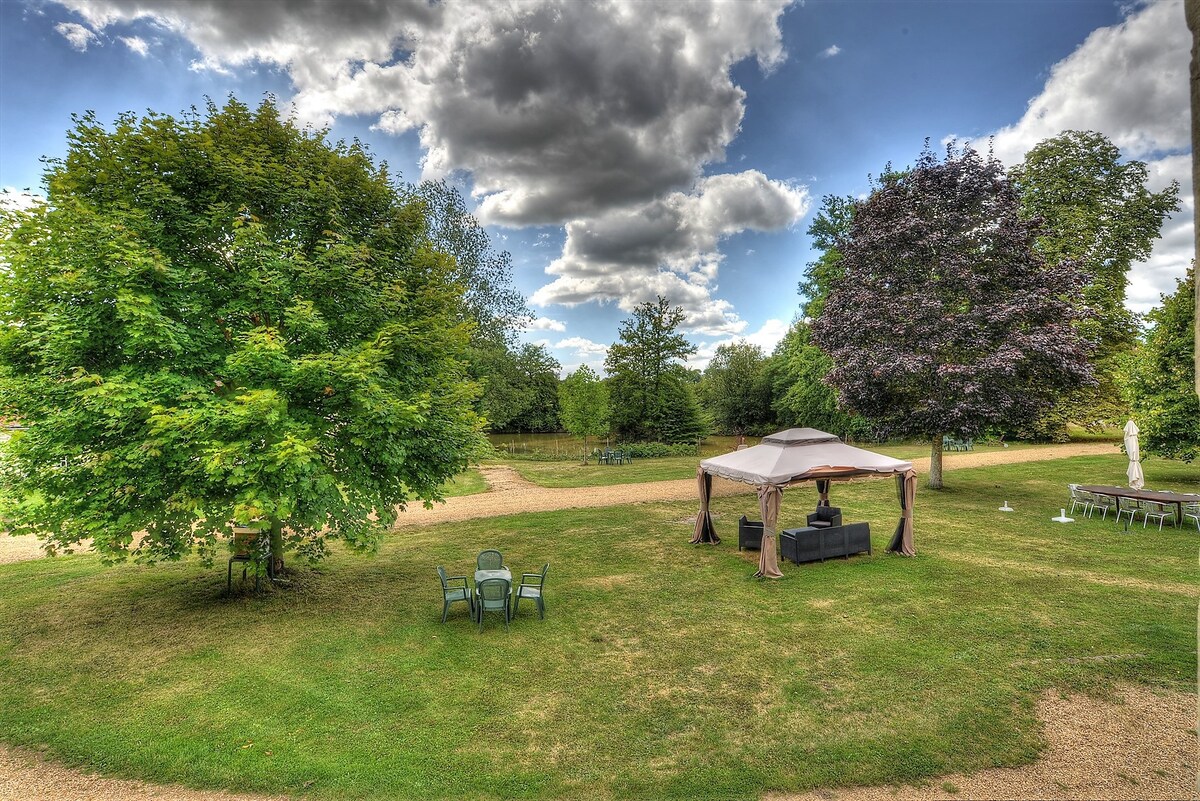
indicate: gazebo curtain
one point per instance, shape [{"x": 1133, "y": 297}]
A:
[
  {"x": 769, "y": 499},
  {"x": 902, "y": 540},
  {"x": 705, "y": 531}
]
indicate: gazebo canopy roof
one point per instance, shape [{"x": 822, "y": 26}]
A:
[{"x": 800, "y": 454}]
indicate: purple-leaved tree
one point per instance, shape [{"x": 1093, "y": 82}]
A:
[{"x": 945, "y": 319}]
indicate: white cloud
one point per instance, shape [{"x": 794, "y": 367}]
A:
[
  {"x": 561, "y": 111},
  {"x": 1174, "y": 251},
  {"x": 547, "y": 324},
  {"x": 1129, "y": 82},
  {"x": 13, "y": 199},
  {"x": 582, "y": 347},
  {"x": 137, "y": 44},
  {"x": 766, "y": 337},
  {"x": 669, "y": 247},
  {"x": 830, "y": 51},
  {"x": 79, "y": 36}
]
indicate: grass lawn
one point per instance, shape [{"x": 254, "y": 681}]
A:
[
  {"x": 662, "y": 669},
  {"x": 469, "y": 482},
  {"x": 574, "y": 474}
]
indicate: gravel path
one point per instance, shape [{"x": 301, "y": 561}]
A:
[
  {"x": 1145, "y": 747},
  {"x": 511, "y": 494}
]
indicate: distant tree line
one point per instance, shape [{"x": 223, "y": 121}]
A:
[{"x": 957, "y": 298}]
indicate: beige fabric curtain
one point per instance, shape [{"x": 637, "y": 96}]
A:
[
  {"x": 769, "y": 499},
  {"x": 705, "y": 530},
  {"x": 902, "y": 540},
  {"x": 822, "y": 492}
]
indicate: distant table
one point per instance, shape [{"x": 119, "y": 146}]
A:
[
  {"x": 483, "y": 575},
  {"x": 1159, "y": 496}
]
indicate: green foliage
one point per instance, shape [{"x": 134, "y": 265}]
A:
[
  {"x": 520, "y": 386},
  {"x": 657, "y": 450},
  {"x": 1096, "y": 211},
  {"x": 489, "y": 298},
  {"x": 226, "y": 318},
  {"x": 735, "y": 389},
  {"x": 801, "y": 397},
  {"x": 651, "y": 392},
  {"x": 831, "y": 224},
  {"x": 946, "y": 320},
  {"x": 583, "y": 404},
  {"x": 1161, "y": 389}
]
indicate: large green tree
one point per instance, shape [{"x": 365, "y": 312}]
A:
[
  {"x": 1096, "y": 211},
  {"x": 800, "y": 396},
  {"x": 652, "y": 396},
  {"x": 735, "y": 388},
  {"x": 1161, "y": 388},
  {"x": 583, "y": 400},
  {"x": 221, "y": 319},
  {"x": 537, "y": 373},
  {"x": 946, "y": 319}
]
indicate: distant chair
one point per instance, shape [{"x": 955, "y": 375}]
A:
[
  {"x": 532, "y": 586},
  {"x": 1126, "y": 506},
  {"x": 1079, "y": 498},
  {"x": 750, "y": 534},
  {"x": 451, "y": 594},
  {"x": 489, "y": 560},
  {"x": 825, "y": 517},
  {"x": 1191, "y": 511},
  {"x": 1159, "y": 511},
  {"x": 1102, "y": 502},
  {"x": 492, "y": 595}
]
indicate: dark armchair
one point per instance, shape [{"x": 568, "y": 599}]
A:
[
  {"x": 750, "y": 534},
  {"x": 825, "y": 517}
]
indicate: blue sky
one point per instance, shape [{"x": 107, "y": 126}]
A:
[{"x": 623, "y": 149}]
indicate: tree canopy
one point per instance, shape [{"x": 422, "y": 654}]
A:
[
  {"x": 800, "y": 395},
  {"x": 583, "y": 400},
  {"x": 223, "y": 318},
  {"x": 1161, "y": 389},
  {"x": 736, "y": 390},
  {"x": 1097, "y": 211},
  {"x": 946, "y": 319},
  {"x": 651, "y": 393}
]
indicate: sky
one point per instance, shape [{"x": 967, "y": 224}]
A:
[{"x": 626, "y": 149}]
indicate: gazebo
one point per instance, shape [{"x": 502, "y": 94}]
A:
[{"x": 793, "y": 457}]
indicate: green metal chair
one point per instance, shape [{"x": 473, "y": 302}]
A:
[
  {"x": 492, "y": 595},
  {"x": 450, "y": 594},
  {"x": 532, "y": 586},
  {"x": 489, "y": 560}
]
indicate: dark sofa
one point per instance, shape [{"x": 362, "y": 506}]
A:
[
  {"x": 811, "y": 544},
  {"x": 750, "y": 534}
]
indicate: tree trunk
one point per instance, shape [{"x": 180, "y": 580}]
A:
[
  {"x": 275, "y": 565},
  {"x": 1191, "y": 9},
  {"x": 935, "y": 463}
]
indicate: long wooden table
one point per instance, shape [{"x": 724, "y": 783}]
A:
[{"x": 1159, "y": 496}]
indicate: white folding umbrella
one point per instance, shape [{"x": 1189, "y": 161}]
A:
[{"x": 1136, "y": 479}]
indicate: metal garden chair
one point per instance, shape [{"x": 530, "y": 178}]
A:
[
  {"x": 1078, "y": 498},
  {"x": 1159, "y": 511},
  {"x": 1191, "y": 511}
]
